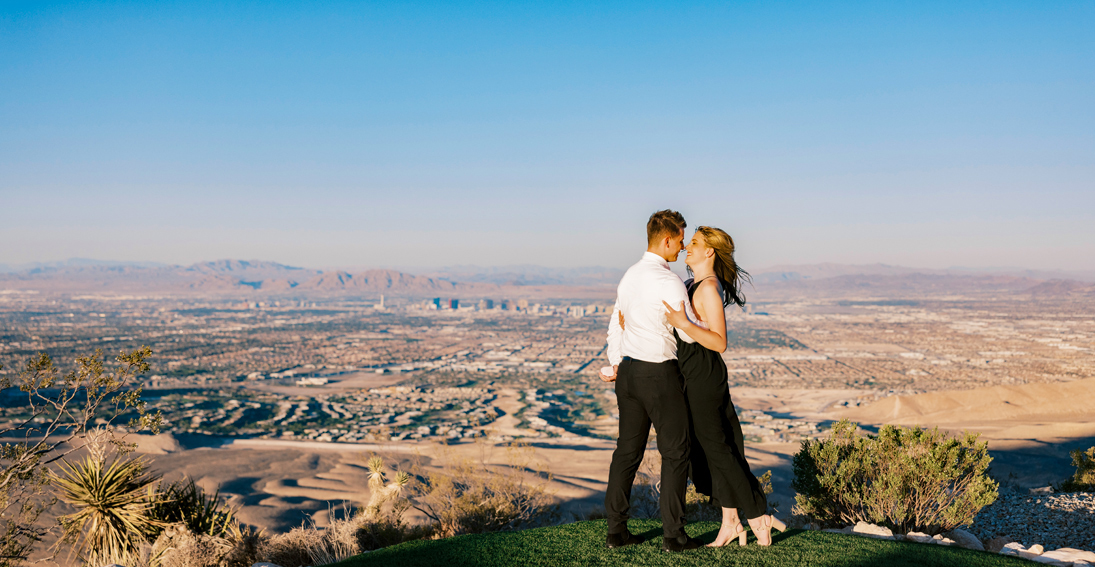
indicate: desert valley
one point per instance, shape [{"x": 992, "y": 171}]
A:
[{"x": 276, "y": 383}]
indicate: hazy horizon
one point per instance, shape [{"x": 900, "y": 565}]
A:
[
  {"x": 478, "y": 269},
  {"x": 926, "y": 134}
]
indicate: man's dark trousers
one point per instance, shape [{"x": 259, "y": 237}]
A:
[{"x": 649, "y": 393}]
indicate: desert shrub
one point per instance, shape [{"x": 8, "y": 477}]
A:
[
  {"x": 246, "y": 542},
  {"x": 470, "y": 497},
  {"x": 177, "y": 546},
  {"x": 377, "y": 524},
  {"x": 381, "y": 520},
  {"x": 121, "y": 508},
  {"x": 56, "y": 413},
  {"x": 291, "y": 549},
  {"x": 113, "y": 498},
  {"x": 185, "y": 502},
  {"x": 308, "y": 545},
  {"x": 909, "y": 479},
  {"x": 1084, "y": 479}
]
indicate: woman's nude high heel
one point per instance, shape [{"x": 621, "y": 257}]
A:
[
  {"x": 739, "y": 533},
  {"x": 762, "y": 528},
  {"x": 730, "y": 518}
]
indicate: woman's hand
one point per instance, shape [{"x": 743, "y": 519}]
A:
[{"x": 678, "y": 319}]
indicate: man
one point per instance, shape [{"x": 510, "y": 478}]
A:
[{"x": 649, "y": 385}]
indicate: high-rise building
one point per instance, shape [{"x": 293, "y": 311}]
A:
[
  {"x": 454, "y": 304},
  {"x": 522, "y": 305},
  {"x": 489, "y": 302},
  {"x": 436, "y": 302}
]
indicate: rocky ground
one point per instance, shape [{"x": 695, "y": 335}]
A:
[{"x": 1052, "y": 520}]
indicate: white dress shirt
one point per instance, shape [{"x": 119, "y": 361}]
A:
[{"x": 647, "y": 334}]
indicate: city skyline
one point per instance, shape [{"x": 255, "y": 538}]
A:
[{"x": 928, "y": 135}]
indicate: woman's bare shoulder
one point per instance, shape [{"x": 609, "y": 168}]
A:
[{"x": 709, "y": 285}]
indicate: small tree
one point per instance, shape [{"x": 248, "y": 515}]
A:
[
  {"x": 1084, "y": 479},
  {"x": 54, "y": 420}
]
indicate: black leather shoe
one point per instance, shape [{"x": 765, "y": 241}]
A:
[
  {"x": 621, "y": 539},
  {"x": 682, "y": 543}
]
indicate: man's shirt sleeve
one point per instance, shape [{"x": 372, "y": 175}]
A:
[
  {"x": 676, "y": 295},
  {"x": 615, "y": 336}
]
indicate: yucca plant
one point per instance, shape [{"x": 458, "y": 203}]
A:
[
  {"x": 113, "y": 504},
  {"x": 185, "y": 502},
  {"x": 381, "y": 493},
  {"x": 380, "y": 522}
]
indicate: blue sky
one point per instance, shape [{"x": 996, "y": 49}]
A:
[{"x": 428, "y": 134}]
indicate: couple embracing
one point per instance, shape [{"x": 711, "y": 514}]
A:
[{"x": 665, "y": 340}]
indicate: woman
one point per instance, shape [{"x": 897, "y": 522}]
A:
[{"x": 718, "y": 447}]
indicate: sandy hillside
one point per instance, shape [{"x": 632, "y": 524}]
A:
[
  {"x": 1061, "y": 401},
  {"x": 1030, "y": 428}
]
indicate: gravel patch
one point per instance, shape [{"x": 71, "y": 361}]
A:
[{"x": 1052, "y": 520}]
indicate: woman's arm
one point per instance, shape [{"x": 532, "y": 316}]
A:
[{"x": 706, "y": 303}]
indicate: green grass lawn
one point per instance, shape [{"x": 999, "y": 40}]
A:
[{"x": 583, "y": 543}]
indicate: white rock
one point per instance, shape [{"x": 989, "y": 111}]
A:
[
  {"x": 966, "y": 539},
  {"x": 1031, "y": 552},
  {"x": 264, "y": 564},
  {"x": 1071, "y": 555},
  {"x": 1050, "y": 561},
  {"x": 871, "y": 530},
  {"x": 940, "y": 540},
  {"x": 918, "y": 537}
]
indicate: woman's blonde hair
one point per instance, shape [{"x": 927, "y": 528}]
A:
[{"x": 729, "y": 274}]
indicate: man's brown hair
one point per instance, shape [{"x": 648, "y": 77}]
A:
[{"x": 662, "y": 223}]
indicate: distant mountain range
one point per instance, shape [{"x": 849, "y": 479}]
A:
[
  {"x": 784, "y": 273},
  {"x": 526, "y": 275},
  {"x": 223, "y": 276},
  {"x": 71, "y": 262},
  {"x": 882, "y": 280},
  {"x": 240, "y": 276}
]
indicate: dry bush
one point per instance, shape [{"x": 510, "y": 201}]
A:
[
  {"x": 177, "y": 546},
  {"x": 186, "y": 502},
  {"x": 646, "y": 489},
  {"x": 1084, "y": 479},
  {"x": 308, "y": 545},
  {"x": 471, "y": 497},
  {"x": 908, "y": 479},
  {"x": 381, "y": 522},
  {"x": 291, "y": 549},
  {"x": 378, "y": 524}
]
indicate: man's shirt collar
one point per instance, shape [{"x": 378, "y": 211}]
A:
[{"x": 652, "y": 257}]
